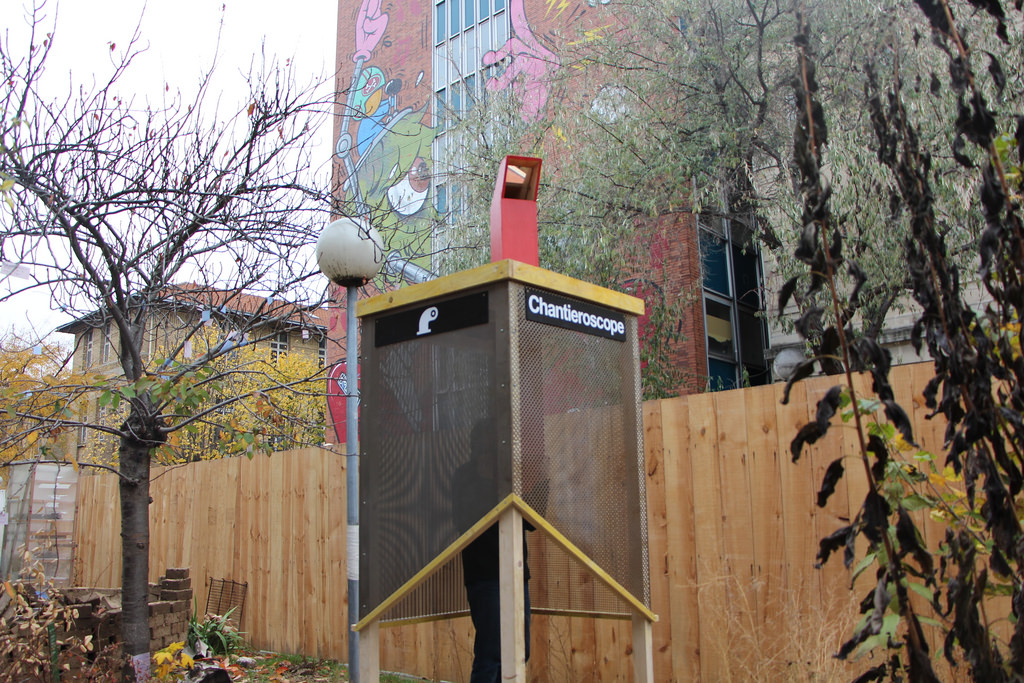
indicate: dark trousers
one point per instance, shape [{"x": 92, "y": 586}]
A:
[{"x": 485, "y": 611}]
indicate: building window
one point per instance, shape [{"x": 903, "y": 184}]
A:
[
  {"x": 87, "y": 355},
  {"x": 106, "y": 344},
  {"x": 464, "y": 31},
  {"x": 279, "y": 345},
  {"x": 322, "y": 351},
  {"x": 735, "y": 334}
]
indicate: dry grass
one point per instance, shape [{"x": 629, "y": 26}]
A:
[{"x": 783, "y": 636}]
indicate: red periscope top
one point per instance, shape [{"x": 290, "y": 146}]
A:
[{"x": 514, "y": 211}]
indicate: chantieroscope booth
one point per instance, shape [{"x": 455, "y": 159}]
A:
[{"x": 503, "y": 387}]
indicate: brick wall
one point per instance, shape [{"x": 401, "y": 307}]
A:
[{"x": 671, "y": 270}]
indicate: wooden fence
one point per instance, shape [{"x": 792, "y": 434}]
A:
[{"x": 733, "y": 527}]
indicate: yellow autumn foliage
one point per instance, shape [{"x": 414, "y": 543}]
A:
[
  {"x": 247, "y": 401},
  {"x": 31, "y": 377}
]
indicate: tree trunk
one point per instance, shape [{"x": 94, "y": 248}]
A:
[{"x": 134, "y": 454}]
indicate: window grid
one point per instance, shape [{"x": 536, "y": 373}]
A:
[
  {"x": 464, "y": 31},
  {"x": 106, "y": 344},
  {"x": 734, "y": 335},
  {"x": 87, "y": 361},
  {"x": 279, "y": 345}
]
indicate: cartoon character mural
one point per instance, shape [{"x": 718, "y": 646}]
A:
[
  {"x": 386, "y": 133},
  {"x": 529, "y": 62},
  {"x": 385, "y": 147}
]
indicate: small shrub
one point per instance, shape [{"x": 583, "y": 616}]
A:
[
  {"x": 38, "y": 642},
  {"x": 213, "y": 634}
]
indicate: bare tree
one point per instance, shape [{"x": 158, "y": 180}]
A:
[{"x": 121, "y": 208}]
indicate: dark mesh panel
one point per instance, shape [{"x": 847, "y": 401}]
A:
[
  {"x": 562, "y": 584},
  {"x": 579, "y": 431},
  {"x": 439, "y": 597},
  {"x": 421, "y": 483}
]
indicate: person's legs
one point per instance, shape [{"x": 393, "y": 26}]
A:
[
  {"x": 526, "y": 622},
  {"x": 485, "y": 612}
]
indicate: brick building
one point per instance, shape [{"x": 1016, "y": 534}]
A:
[{"x": 403, "y": 64}]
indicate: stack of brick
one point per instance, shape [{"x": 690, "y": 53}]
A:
[
  {"x": 170, "y": 605},
  {"x": 169, "y": 612},
  {"x": 98, "y": 611},
  {"x": 96, "y": 618}
]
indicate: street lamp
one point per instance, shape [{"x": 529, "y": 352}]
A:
[{"x": 350, "y": 253}]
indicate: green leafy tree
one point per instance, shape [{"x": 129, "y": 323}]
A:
[
  {"x": 666, "y": 107},
  {"x": 118, "y": 201},
  {"x": 246, "y": 401},
  {"x": 974, "y": 485}
]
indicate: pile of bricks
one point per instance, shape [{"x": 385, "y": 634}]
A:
[
  {"x": 99, "y": 614},
  {"x": 169, "y": 608},
  {"x": 170, "y": 605}
]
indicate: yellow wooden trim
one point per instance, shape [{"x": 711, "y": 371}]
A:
[
  {"x": 563, "y": 284},
  {"x": 412, "y": 621},
  {"x": 496, "y": 272},
  {"x": 551, "y": 612},
  {"x": 539, "y": 522},
  {"x": 530, "y": 515},
  {"x": 435, "y": 564},
  {"x": 545, "y": 611}
]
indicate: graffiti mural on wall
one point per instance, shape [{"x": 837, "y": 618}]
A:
[
  {"x": 531, "y": 54},
  {"x": 387, "y": 131},
  {"x": 530, "y": 64},
  {"x": 385, "y": 139}
]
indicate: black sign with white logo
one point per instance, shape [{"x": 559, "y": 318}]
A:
[
  {"x": 551, "y": 309},
  {"x": 443, "y": 316}
]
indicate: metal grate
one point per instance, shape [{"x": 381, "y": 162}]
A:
[
  {"x": 422, "y": 399},
  {"x": 580, "y": 456},
  {"x": 225, "y": 595}
]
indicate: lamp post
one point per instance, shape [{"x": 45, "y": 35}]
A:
[{"x": 350, "y": 253}]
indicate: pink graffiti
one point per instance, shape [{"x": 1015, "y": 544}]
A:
[
  {"x": 529, "y": 59},
  {"x": 370, "y": 26}
]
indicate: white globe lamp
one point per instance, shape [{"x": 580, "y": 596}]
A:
[{"x": 350, "y": 252}]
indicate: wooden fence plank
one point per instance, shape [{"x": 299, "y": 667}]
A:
[
  {"x": 737, "y": 531},
  {"x": 712, "y": 598},
  {"x": 657, "y": 538},
  {"x": 798, "y": 492},
  {"x": 683, "y": 608},
  {"x": 766, "y": 519}
]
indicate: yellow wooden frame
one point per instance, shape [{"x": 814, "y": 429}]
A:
[
  {"x": 534, "y": 518},
  {"x": 497, "y": 272}
]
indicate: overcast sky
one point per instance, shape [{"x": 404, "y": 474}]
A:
[{"x": 180, "y": 38}]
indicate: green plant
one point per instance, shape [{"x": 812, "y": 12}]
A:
[
  {"x": 959, "y": 588},
  {"x": 213, "y": 634}
]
